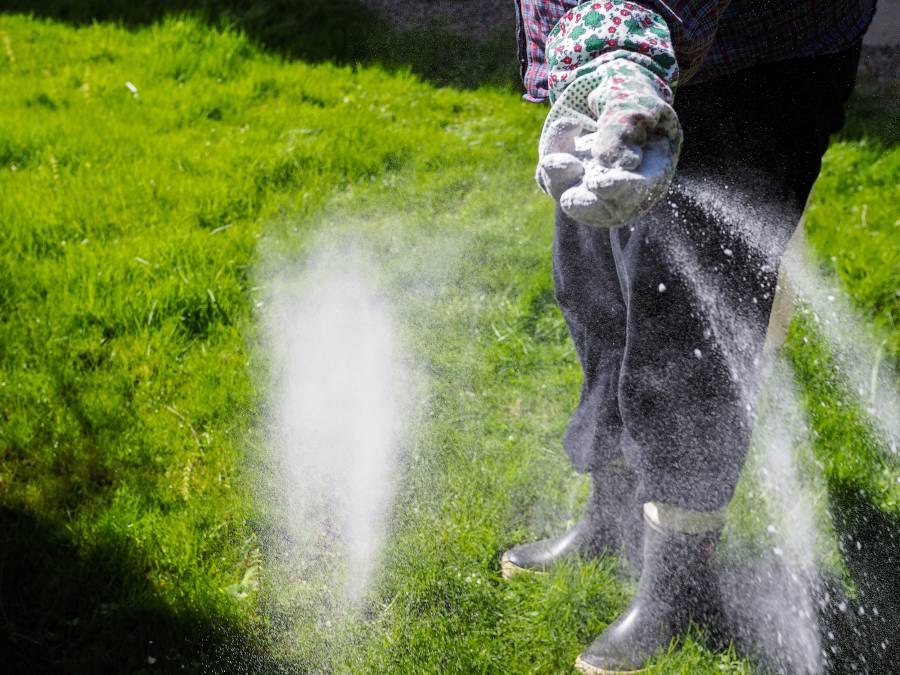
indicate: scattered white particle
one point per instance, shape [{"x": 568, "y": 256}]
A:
[
  {"x": 842, "y": 606},
  {"x": 858, "y": 545},
  {"x": 13, "y": 167},
  {"x": 662, "y": 288},
  {"x": 698, "y": 353},
  {"x": 830, "y": 298},
  {"x": 132, "y": 89},
  {"x": 151, "y": 660},
  {"x": 771, "y": 529},
  {"x": 862, "y": 610},
  {"x": 728, "y": 252},
  {"x": 777, "y": 551},
  {"x": 327, "y": 624}
]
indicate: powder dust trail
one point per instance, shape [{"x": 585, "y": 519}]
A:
[
  {"x": 777, "y": 603},
  {"x": 769, "y": 603},
  {"x": 344, "y": 315},
  {"x": 857, "y": 350},
  {"x": 339, "y": 407}
]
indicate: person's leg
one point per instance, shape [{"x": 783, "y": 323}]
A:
[
  {"x": 591, "y": 299},
  {"x": 700, "y": 272},
  {"x": 699, "y": 297},
  {"x": 590, "y": 296}
]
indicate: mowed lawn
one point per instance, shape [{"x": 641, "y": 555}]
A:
[{"x": 144, "y": 178}]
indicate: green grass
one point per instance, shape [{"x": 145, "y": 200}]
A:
[
  {"x": 133, "y": 232},
  {"x": 313, "y": 31}
]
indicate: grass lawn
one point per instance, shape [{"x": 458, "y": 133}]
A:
[{"x": 144, "y": 176}]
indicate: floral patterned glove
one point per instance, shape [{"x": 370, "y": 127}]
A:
[{"x": 611, "y": 141}]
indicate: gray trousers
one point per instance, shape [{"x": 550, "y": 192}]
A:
[{"x": 669, "y": 313}]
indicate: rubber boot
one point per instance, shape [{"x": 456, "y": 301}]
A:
[
  {"x": 676, "y": 586},
  {"x": 611, "y": 521}
]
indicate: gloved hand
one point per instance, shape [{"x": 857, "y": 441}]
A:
[{"x": 609, "y": 157}]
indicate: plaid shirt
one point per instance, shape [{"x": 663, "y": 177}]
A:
[{"x": 712, "y": 37}]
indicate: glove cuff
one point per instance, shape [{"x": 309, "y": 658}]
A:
[
  {"x": 597, "y": 32},
  {"x": 583, "y": 103},
  {"x": 593, "y": 45}
]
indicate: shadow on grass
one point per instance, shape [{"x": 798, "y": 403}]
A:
[
  {"x": 770, "y": 619},
  {"x": 865, "y": 627},
  {"x": 345, "y": 32},
  {"x": 349, "y": 32},
  {"x": 873, "y": 113},
  {"x": 65, "y": 612}
]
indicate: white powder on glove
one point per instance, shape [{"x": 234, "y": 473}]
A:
[
  {"x": 611, "y": 196},
  {"x": 558, "y": 172}
]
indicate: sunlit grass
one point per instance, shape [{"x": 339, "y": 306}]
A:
[{"x": 133, "y": 223}]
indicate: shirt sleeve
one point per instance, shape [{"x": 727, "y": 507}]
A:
[
  {"x": 670, "y": 39},
  {"x": 693, "y": 25}
]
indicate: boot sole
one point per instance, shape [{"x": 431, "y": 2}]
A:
[
  {"x": 508, "y": 569},
  {"x": 584, "y": 667}
]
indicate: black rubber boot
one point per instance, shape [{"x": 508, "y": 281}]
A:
[
  {"x": 611, "y": 521},
  {"x": 676, "y": 586}
]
